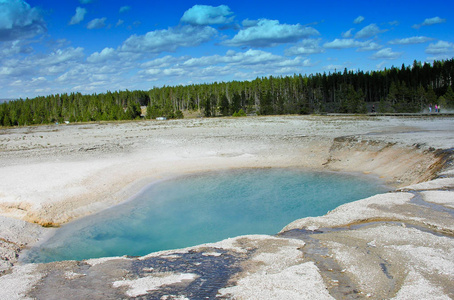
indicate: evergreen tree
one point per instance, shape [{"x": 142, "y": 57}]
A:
[
  {"x": 449, "y": 97},
  {"x": 384, "y": 106},
  {"x": 207, "y": 106},
  {"x": 431, "y": 96},
  {"x": 224, "y": 106},
  {"x": 236, "y": 103},
  {"x": 441, "y": 103},
  {"x": 404, "y": 89}
]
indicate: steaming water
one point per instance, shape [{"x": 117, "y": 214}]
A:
[{"x": 204, "y": 208}]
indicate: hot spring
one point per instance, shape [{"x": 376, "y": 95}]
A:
[{"x": 203, "y": 208}]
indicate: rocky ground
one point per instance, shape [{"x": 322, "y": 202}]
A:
[{"x": 395, "y": 245}]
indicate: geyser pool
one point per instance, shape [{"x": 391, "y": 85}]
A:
[{"x": 203, "y": 208}]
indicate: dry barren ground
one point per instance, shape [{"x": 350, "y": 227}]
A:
[{"x": 395, "y": 245}]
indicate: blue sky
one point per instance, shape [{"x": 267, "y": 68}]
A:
[{"x": 91, "y": 46}]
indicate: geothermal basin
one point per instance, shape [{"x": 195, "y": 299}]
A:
[{"x": 391, "y": 245}]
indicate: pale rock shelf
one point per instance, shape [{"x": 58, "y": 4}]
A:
[{"x": 397, "y": 245}]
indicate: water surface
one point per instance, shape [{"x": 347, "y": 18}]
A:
[{"x": 202, "y": 208}]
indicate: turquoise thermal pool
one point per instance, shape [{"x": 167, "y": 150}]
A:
[{"x": 203, "y": 208}]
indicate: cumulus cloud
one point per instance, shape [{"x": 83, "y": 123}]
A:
[
  {"x": 386, "y": 53},
  {"x": 411, "y": 40},
  {"x": 18, "y": 20},
  {"x": 368, "y": 31},
  {"x": 250, "y": 57},
  {"x": 358, "y": 20},
  {"x": 89, "y": 78},
  {"x": 258, "y": 57},
  {"x": 305, "y": 47},
  {"x": 72, "y": 75},
  {"x": 429, "y": 22},
  {"x": 207, "y": 15},
  {"x": 270, "y": 33},
  {"x": 105, "y": 55},
  {"x": 352, "y": 43},
  {"x": 348, "y": 33},
  {"x": 61, "y": 57},
  {"x": 79, "y": 16},
  {"x": 205, "y": 61},
  {"x": 343, "y": 44},
  {"x": 97, "y": 23},
  {"x": 163, "y": 62},
  {"x": 168, "y": 39},
  {"x": 11, "y": 48},
  {"x": 124, "y": 9},
  {"x": 441, "y": 47},
  {"x": 43, "y": 65},
  {"x": 370, "y": 46},
  {"x": 249, "y": 23},
  {"x": 247, "y": 65}
]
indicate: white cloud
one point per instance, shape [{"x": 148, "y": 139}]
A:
[
  {"x": 68, "y": 54},
  {"x": 269, "y": 33},
  {"x": 105, "y": 55},
  {"x": 207, "y": 15},
  {"x": 386, "y": 53},
  {"x": 43, "y": 65},
  {"x": 343, "y": 44},
  {"x": 205, "y": 61},
  {"x": 124, "y": 9},
  {"x": 429, "y": 22},
  {"x": 11, "y": 48},
  {"x": 117, "y": 68},
  {"x": 168, "y": 39},
  {"x": 249, "y": 23},
  {"x": 151, "y": 72},
  {"x": 250, "y": 57},
  {"x": 79, "y": 16},
  {"x": 73, "y": 75},
  {"x": 370, "y": 46},
  {"x": 140, "y": 59},
  {"x": 432, "y": 21},
  {"x": 441, "y": 47},
  {"x": 85, "y": 1},
  {"x": 358, "y": 20},
  {"x": 216, "y": 67},
  {"x": 38, "y": 79},
  {"x": 411, "y": 40},
  {"x": 348, "y": 33},
  {"x": 97, "y": 23},
  {"x": 381, "y": 65},
  {"x": 368, "y": 31},
  {"x": 18, "y": 20},
  {"x": 89, "y": 78},
  {"x": 57, "y": 62},
  {"x": 174, "y": 72},
  {"x": 9, "y": 71},
  {"x": 306, "y": 47},
  {"x": 163, "y": 62}
]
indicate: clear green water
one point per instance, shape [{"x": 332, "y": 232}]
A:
[{"x": 204, "y": 208}]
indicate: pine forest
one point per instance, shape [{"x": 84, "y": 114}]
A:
[{"x": 408, "y": 89}]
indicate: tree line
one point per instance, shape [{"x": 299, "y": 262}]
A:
[{"x": 405, "y": 89}]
